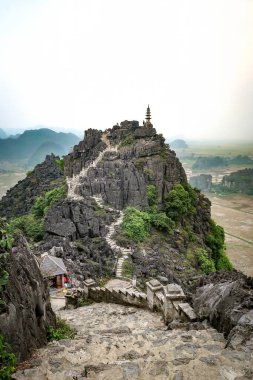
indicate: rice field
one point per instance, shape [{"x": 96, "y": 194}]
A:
[
  {"x": 235, "y": 214},
  {"x": 8, "y": 180}
]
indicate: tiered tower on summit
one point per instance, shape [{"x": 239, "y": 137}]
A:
[{"x": 148, "y": 123}]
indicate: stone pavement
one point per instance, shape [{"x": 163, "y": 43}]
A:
[{"x": 115, "y": 342}]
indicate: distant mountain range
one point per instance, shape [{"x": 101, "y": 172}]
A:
[
  {"x": 33, "y": 145},
  {"x": 2, "y": 134}
]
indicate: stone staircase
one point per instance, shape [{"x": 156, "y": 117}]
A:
[
  {"x": 122, "y": 254},
  {"x": 75, "y": 181},
  {"x": 123, "y": 295}
]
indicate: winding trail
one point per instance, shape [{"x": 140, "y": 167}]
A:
[{"x": 121, "y": 254}]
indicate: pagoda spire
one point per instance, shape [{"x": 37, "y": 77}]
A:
[{"x": 148, "y": 115}]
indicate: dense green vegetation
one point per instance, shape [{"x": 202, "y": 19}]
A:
[
  {"x": 209, "y": 162},
  {"x": 205, "y": 262},
  {"x": 215, "y": 241},
  {"x": 32, "y": 224},
  {"x": 44, "y": 202},
  {"x": 152, "y": 195},
  {"x": 180, "y": 208},
  {"x": 136, "y": 224},
  {"x": 60, "y": 163},
  {"x": 61, "y": 331},
  {"x": 180, "y": 202},
  {"x": 7, "y": 360}
]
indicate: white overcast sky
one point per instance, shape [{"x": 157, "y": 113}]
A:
[{"x": 75, "y": 64}]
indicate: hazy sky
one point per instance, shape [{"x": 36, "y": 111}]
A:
[{"x": 75, "y": 64}]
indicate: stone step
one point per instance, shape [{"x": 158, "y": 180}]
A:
[{"x": 187, "y": 310}]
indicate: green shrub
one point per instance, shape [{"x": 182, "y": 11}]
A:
[
  {"x": 7, "y": 360},
  {"x": 178, "y": 202},
  {"x": 60, "y": 164},
  {"x": 128, "y": 140},
  {"x": 224, "y": 263},
  {"x": 136, "y": 224},
  {"x": 43, "y": 203},
  {"x": 152, "y": 195},
  {"x": 215, "y": 241},
  {"x": 61, "y": 331},
  {"x": 205, "y": 263},
  {"x": 191, "y": 235},
  {"x": 160, "y": 220},
  {"x": 29, "y": 225}
]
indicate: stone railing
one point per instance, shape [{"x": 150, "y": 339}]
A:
[{"x": 168, "y": 299}]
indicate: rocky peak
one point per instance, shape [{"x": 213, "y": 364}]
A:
[
  {"x": 121, "y": 178},
  {"x": 20, "y": 198}
]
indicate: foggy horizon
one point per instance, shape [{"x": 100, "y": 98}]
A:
[{"x": 74, "y": 65}]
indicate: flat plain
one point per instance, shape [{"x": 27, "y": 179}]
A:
[
  {"x": 235, "y": 214},
  {"x": 8, "y": 180}
]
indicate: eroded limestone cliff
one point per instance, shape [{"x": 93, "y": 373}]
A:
[{"x": 27, "y": 311}]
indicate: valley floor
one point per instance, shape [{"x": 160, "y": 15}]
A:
[
  {"x": 9, "y": 180},
  {"x": 119, "y": 342},
  {"x": 235, "y": 214}
]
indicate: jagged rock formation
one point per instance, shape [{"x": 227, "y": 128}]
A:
[
  {"x": 240, "y": 181},
  {"x": 27, "y": 312},
  {"x": 202, "y": 182},
  {"x": 226, "y": 300},
  {"x": 114, "y": 168},
  {"x": 20, "y": 198},
  {"x": 121, "y": 176}
]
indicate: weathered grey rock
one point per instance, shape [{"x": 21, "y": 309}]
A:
[
  {"x": 28, "y": 312},
  {"x": 240, "y": 181},
  {"x": 20, "y": 198},
  {"x": 202, "y": 182},
  {"x": 227, "y": 305}
]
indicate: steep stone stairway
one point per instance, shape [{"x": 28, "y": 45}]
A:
[
  {"x": 121, "y": 253},
  {"x": 75, "y": 181},
  {"x": 122, "y": 342}
]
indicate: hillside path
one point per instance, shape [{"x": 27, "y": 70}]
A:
[{"x": 125, "y": 343}]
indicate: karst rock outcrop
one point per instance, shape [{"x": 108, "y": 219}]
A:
[{"x": 27, "y": 311}]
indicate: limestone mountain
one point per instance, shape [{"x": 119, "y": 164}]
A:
[
  {"x": 240, "y": 181},
  {"x": 106, "y": 174},
  {"x": 20, "y": 198},
  {"x": 2, "y": 134},
  {"x": 25, "y": 145},
  {"x": 43, "y": 150},
  {"x": 119, "y": 205}
]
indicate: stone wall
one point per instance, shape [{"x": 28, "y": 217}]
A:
[{"x": 166, "y": 299}]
